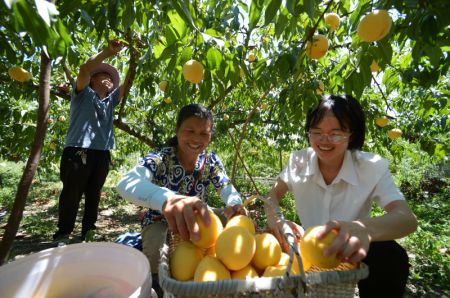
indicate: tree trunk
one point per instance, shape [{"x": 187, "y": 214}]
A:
[{"x": 33, "y": 160}]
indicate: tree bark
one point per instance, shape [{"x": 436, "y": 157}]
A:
[{"x": 33, "y": 160}]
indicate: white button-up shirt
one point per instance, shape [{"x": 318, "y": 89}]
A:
[{"x": 363, "y": 179}]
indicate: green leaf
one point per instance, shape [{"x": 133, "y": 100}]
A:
[
  {"x": 183, "y": 10},
  {"x": 214, "y": 58},
  {"x": 271, "y": 10},
  {"x": 113, "y": 11},
  {"x": 434, "y": 53},
  {"x": 385, "y": 50},
  {"x": 177, "y": 23},
  {"x": 129, "y": 14},
  {"x": 310, "y": 5},
  {"x": 256, "y": 7},
  {"x": 87, "y": 18},
  {"x": 281, "y": 22}
]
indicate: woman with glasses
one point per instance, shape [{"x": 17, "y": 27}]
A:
[{"x": 334, "y": 184}]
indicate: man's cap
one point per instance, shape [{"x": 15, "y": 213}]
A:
[{"x": 109, "y": 69}]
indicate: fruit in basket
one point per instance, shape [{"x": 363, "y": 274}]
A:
[
  {"x": 208, "y": 234},
  {"x": 274, "y": 271},
  {"x": 247, "y": 272},
  {"x": 268, "y": 251},
  {"x": 312, "y": 249},
  {"x": 235, "y": 247},
  {"x": 242, "y": 221},
  {"x": 211, "y": 269},
  {"x": 184, "y": 260}
]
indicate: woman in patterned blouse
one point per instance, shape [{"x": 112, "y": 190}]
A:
[{"x": 172, "y": 181}]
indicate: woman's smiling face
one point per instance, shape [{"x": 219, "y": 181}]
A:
[
  {"x": 193, "y": 135},
  {"x": 329, "y": 152}
]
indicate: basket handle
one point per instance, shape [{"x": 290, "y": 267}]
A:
[{"x": 288, "y": 234}]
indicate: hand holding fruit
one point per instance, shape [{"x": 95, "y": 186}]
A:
[
  {"x": 231, "y": 211},
  {"x": 115, "y": 46},
  {"x": 180, "y": 214},
  {"x": 351, "y": 243}
]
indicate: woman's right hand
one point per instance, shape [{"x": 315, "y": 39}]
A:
[
  {"x": 115, "y": 46},
  {"x": 180, "y": 213},
  {"x": 275, "y": 225}
]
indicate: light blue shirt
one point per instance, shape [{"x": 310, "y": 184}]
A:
[{"x": 91, "y": 120}]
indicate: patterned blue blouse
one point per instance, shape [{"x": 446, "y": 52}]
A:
[{"x": 168, "y": 172}]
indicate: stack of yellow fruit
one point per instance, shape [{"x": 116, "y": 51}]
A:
[{"x": 237, "y": 251}]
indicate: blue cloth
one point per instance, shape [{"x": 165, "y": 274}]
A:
[
  {"x": 132, "y": 239},
  {"x": 91, "y": 120}
]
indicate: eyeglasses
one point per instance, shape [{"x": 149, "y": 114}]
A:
[{"x": 334, "y": 138}]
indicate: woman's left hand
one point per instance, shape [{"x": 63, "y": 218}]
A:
[
  {"x": 352, "y": 242},
  {"x": 231, "y": 211}
]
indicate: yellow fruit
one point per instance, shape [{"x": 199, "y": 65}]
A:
[
  {"x": 168, "y": 100},
  {"x": 241, "y": 72},
  {"x": 394, "y": 133},
  {"x": 235, "y": 247},
  {"x": 264, "y": 106},
  {"x": 19, "y": 74},
  {"x": 374, "y": 67},
  {"x": 211, "y": 269},
  {"x": 163, "y": 85},
  {"x": 226, "y": 117},
  {"x": 208, "y": 234},
  {"x": 246, "y": 272},
  {"x": 274, "y": 271},
  {"x": 184, "y": 260},
  {"x": 193, "y": 71},
  {"x": 251, "y": 57},
  {"x": 332, "y": 20},
  {"x": 312, "y": 249},
  {"x": 242, "y": 221},
  {"x": 374, "y": 26},
  {"x": 61, "y": 119},
  {"x": 268, "y": 251},
  {"x": 318, "y": 48},
  {"x": 382, "y": 121},
  {"x": 321, "y": 88}
]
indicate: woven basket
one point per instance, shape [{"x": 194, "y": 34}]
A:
[{"x": 338, "y": 282}]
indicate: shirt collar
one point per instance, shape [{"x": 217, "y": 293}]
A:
[{"x": 347, "y": 172}]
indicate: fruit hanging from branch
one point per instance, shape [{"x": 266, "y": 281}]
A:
[
  {"x": 374, "y": 67},
  {"x": 318, "y": 47},
  {"x": 19, "y": 74},
  {"x": 382, "y": 121},
  {"x": 193, "y": 71},
  {"x": 163, "y": 85},
  {"x": 374, "y": 26},
  {"x": 333, "y": 20},
  {"x": 394, "y": 133}
]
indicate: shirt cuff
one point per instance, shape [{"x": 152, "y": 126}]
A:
[{"x": 230, "y": 196}]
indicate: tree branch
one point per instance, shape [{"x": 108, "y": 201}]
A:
[{"x": 126, "y": 128}]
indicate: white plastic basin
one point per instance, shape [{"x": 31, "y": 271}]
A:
[{"x": 95, "y": 269}]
